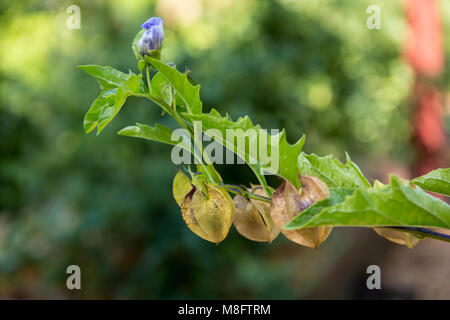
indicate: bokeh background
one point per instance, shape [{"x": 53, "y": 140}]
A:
[{"x": 104, "y": 202}]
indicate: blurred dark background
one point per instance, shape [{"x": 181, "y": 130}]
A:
[{"x": 105, "y": 203}]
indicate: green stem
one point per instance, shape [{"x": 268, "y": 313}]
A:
[
  {"x": 147, "y": 70},
  {"x": 263, "y": 182},
  {"x": 242, "y": 192},
  {"x": 208, "y": 168},
  {"x": 174, "y": 101},
  {"x": 166, "y": 108},
  {"x": 213, "y": 175}
]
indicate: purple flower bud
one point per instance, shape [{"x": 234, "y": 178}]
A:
[{"x": 153, "y": 37}]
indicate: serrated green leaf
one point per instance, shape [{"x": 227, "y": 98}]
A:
[
  {"x": 107, "y": 77},
  {"x": 134, "y": 44},
  {"x": 285, "y": 152},
  {"x": 435, "y": 181},
  {"x": 288, "y": 158},
  {"x": 157, "y": 133},
  {"x": 128, "y": 88},
  {"x": 162, "y": 88},
  {"x": 104, "y": 101},
  {"x": 333, "y": 172},
  {"x": 337, "y": 195},
  {"x": 395, "y": 205},
  {"x": 109, "y": 103},
  {"x": 189, "y": 94}
]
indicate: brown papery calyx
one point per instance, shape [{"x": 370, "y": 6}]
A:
[
  {"x": 252, "y": 217},
  {"x": 288, "y": 202}
]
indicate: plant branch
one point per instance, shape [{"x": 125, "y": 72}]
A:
[
  {"x": 147, "y": 70},
  {"x": 424, "y": 232},
  {"x": 242, "y": 192},
  {"x": 209, "y": 168}
]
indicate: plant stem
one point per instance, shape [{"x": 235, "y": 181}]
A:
[
  {"x": 166, "y": 108},
  {"x": 147, "y": 70},
  {"x": 242, "y": 192},
  {"x": 174, "y": 101},
  {"x": 424, "y": 232},
  {"x": 263, "y": 182},
  {"x": 257, "y": 197},
  {"x": 209, "y": 168}
]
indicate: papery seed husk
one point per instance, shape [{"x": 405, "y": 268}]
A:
[
  {"x": 399, "y": 237},
  {"x": 189, "y": 217},
  {"x": 264, "y": 210},
  {"x": 181, "y": 187},
  {"x": 213, "y": 214},
  {"x": 288, "y": 202},
  {"x": 248, "y": 220},
  {"x": 252, "y": 218}
]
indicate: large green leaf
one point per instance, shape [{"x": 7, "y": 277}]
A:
[
  {"x": 333, "y": 172},
  {"x": 157, "y": 133},
  {"x": 435, "y": 181},
  {"x": 109, "y": 103},
  {"x": 337, "y": 196},
  {"x": 189, "y": 93},
  {"x": 163, "y": 134},
  {"x": 107, "y": 77},
  {"x": 161, "y": 88},
  {"x": 397, "y": 204},
  {"x": 103, "y": 102},
  {"x": 285, "y": 152}
]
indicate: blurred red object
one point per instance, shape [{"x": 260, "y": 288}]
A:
[
  {"x": 427, "y": 118},
  {"x": 429, "y": 135},
  {"x": 425, "y": 53},
  {"x": 424, "y": 45}
]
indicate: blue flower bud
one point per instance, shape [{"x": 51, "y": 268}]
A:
[{"x": 153, "y": 37}]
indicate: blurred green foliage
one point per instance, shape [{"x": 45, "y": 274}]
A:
[{"x": 104, "y": 202}]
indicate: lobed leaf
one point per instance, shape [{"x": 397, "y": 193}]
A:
[
  {"x": 110, "y": 102},
  {"x": 162, "y": 88},
  {"x": 97, "y": 109},
  {"x": 157, "y": 133},
  {"x": 189, "y": 93},
  {"x": 116, "y": 87},
  {"x": 435, "y": 181},
  {"x": 397, "y": 204},
  {"x": 333, "y": 172},
  {"x": 286, "y": 153},
  {"x": 337, "y": 196},
  {"x": 107, "y": 77}
]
